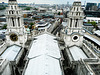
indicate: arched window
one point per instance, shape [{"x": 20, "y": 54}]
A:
[
  {"x": 12, "y": 12},
  {"x": 9, "y": 12},
  {"x": 17, "y": 12},
  {"x": 13, "y": 21},
  {"x": 77, "y": 9},
  {"x": 15, "y": 7},
  {"x": 72, "y": 13},
  {"x": 74, "y": 8},
  {"x": 79, "y": 14},
  {"x": 18, "y": 21},
  {"x": 76, "y": 13},
  {"x": 11, "y": 7},
  {"x": 71, "y": 22},
  {"x": 76, "y": 22}
]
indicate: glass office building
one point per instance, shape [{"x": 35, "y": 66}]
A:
[
  {"x": 89, "y": 6},
  {"x": 99, "y": 5}
]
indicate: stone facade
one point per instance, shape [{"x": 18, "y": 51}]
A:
[
  {"x": 15, "y": 28},
  {"x": 73, "y": 35}
]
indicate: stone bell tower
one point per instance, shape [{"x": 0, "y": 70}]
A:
[
  {"x": 74, "y": 34},
  {"x": 16, "y": 33}
]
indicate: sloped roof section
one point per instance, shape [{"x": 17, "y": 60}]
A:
[
  {"x": 45, "y": 45},
  {"x": 44, "y": 57},
  {"x": 93, "y": 39},
  {"x": 43, "y": 65},
  {"x": 97, "y": 32},
  {"x": 11, "y": 52},
  {"x": 77, "y": 53}
]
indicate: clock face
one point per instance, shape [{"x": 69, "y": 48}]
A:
[
  {"x": 75, "y": 38},
  {"x": 14, "y": 37}
]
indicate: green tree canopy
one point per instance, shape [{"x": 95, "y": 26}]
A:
[
  {"x": 28, "y": 8},
  {"x": 4, "y": 27},
  {"x": 94, "y": 24},
  {"x": 58, "y": 13},
  {"x": 31, "y": 24}
]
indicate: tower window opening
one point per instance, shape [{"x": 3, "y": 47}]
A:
[
  {"x": 79, "y": 14},
  {"x": 77, "y": 9},
  {"x": 15, "y": 7},
  {"x": 17, "y": 12},
  {"x": 18, "y": 21},
  {"x": 12, "y": 12},
  {"x": 72, "y": 13},
  {"x": 9, "y": 12},
  {"x": 76, "y": 23},
  {"x": 76, "y": 13},
  {"x": 71, "y": 22},
  {"x": 13, "y": 22},
  {"x": 11, "y": 7},
  {"x": 74, "y": 8}
]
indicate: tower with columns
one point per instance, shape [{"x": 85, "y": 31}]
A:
[
  {"x": 74, "y": 34},
  {"x": 16, "y": 33}
]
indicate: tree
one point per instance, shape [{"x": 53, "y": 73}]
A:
[
  {"x": 2, "y": 7},
  {"x": 27, "y": 8},
  {"x": 94, "y": 24},
  {"x": 31, "y": 24},
  {"x": 4, "y": 27},
  {"x": 58, "y": 13},
  {"x": 35, "y": 9}
]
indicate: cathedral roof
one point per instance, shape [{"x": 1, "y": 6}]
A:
[
  {"x": 93, "y": 39},
  {"x": 80, "y": 54},
  {"x": 48, "y": 44},
  {"x": 11, "y": 52},
  {"x": 44, "y": 56}
]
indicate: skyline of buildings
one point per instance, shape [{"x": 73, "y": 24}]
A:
[
  {"x": 52, "y": 2},
  {"x": 54, "y": 37}
]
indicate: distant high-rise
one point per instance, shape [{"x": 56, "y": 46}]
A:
[
  {"x": 68, "y": 3},
  {"x": 99, "y": 5},
  {"x": 91, "y": 6}
]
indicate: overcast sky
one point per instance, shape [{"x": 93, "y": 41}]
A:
[{"x": 51, "y": 1}]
